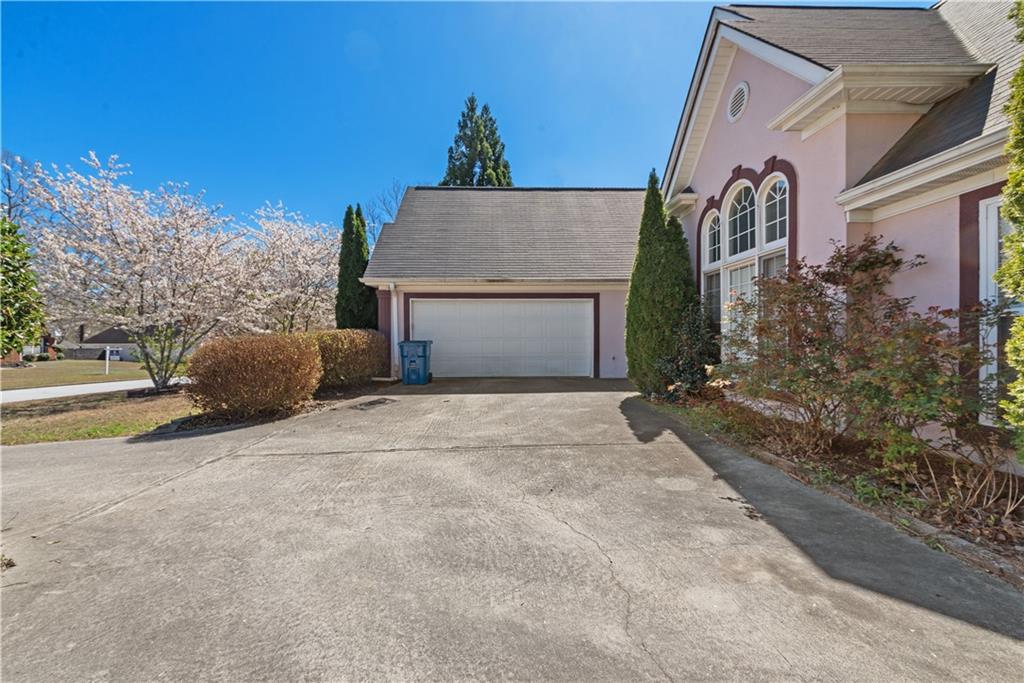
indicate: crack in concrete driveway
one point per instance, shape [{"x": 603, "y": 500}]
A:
[{"x": 486, "y": 529}]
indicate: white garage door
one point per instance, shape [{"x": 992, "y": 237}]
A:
[{"x": 506, "y": 337}]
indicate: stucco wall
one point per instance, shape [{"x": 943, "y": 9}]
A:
[
  {"x": 932, "y": 231},
  {"x": 611, "y": 323},
  {"x": 868, "y": 137},
  {"x": 819, "y": 160}
]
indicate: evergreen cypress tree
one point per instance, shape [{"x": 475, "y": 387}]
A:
[
  {"x": 356, "y": 305},
  {"x": 659, "y": 289},
  {"x": 477, "y": 155},
  {"x": 19, "y": 298},
  {"x": 1010, "y": 275}
]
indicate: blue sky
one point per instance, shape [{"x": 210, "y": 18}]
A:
[{"x": 319, "y": 105}]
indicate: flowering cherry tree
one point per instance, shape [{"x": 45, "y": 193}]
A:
[
  {"x": 295, "y": 264},
  {"x": 163, "y": 266}
]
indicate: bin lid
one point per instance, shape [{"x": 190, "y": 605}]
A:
[{"x": 416, "y": 342}]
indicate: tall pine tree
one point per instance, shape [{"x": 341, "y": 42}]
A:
[
  {"x": 356, "y": 305},
  {"x": 659, "y": 289},
  {"x": 477, "y": 155}
]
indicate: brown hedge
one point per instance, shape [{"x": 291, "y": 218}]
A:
[
  {"x": 253, "y": 375},
  {"x": 350, "y": 356}
]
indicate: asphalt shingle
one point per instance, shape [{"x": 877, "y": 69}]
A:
[{"x": 510, "y": 234}]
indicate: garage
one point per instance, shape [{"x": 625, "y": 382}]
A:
[{"x": 506, "y": 337}]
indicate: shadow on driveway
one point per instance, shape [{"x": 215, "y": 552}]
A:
[
  {"x": 846, "y": 543},
  {"x": 514, "y": 385}
]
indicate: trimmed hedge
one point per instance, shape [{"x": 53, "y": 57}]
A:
[
  {"x": 350, "y": 356},
  {"x": 253, "y": 375}
]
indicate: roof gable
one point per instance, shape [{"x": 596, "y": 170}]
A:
[{"x": 502, "y": 234}]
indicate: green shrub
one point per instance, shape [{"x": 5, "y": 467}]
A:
[
  {"x": 687, "y": 369},
  {"x": 659, "y": 286},
  {"x": 42, "y": 357},
  {"x": 60, "y": 356},
  {"x": 253, "y": 375},
  {"x": 28, "y": 357},
  {"x": 350, "y": 356}
]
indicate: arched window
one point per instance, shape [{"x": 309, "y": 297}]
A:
[
  {"x": 748, "y": 241},
  {"x": 742, "y": 221},
  {"x": 713, "y": 239},
  {"x": 776, "y": 210}
]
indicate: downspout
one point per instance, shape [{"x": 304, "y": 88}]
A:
[{"x": 394, "y": 331}]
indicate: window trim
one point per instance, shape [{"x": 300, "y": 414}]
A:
[
  {"x": 706, "y": 241},
  {"x": 762, "y": 202},
  {"x": 988, "y": 289},
  {"x": 727, "y": 206}
]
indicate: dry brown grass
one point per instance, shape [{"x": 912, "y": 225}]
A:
[{"x": 88, "y": 417}]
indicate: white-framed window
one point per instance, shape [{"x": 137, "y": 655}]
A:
[
  {"x": 742, "y": 221},
  {"x": 776, "y": 210},
  {"x": 992, "y": 228},
  {"x": 732, "y": 262},
  {"x": 713, "y": 297},
  {"x": 712, "y": 238},
  {"x": 772, "y": 265}
]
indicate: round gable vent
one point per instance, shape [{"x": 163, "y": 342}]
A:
[{"x": 738, "y": 101}]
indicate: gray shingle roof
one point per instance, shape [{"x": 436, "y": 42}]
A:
[
  {"x": 974, "y": 111},
  {"x": 831, "y": 36},
  {"x": 510, "y": 234}
]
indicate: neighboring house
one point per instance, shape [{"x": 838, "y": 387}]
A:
[
  {"x": 93, "y": 347},
  {"x": 509, "y": 281},
  {"x": 807, "y": 125}
]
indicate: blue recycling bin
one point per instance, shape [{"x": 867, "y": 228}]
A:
[{"x": 415, "y": 361}]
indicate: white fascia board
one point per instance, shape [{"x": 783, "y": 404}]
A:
[
  {"x": 983, "y": 149},
  {"x": 953, "y": 189},
  {"x": 791, "y": 63},
  {"x": 835, "y": 89},
  {"x": 796, "y": 65},
  {"x": 682, "y": 203}
]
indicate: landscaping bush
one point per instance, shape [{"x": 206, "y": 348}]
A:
[
  {"x": 696, "y": 350},
  {"x": 350, "y": 356},
  {"x": 60, "y": 356},
  {"x": 246, "y": 376},
  {"x": 829, "y": 350},
  {"x": 660, "y": 284},
  {"x": 28, "y": 357},
  {"x": 42, "y": 357}
]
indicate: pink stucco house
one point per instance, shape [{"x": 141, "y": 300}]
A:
[
  {"x": 802, "y": 125},
  {"x": 805, "y": 125}
]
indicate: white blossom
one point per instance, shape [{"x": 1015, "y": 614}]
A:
[{"x": 164, "y": 266}]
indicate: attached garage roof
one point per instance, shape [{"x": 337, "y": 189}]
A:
[{"x": 496, "y": 234}]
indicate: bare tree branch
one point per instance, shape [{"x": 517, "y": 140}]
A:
[{"x": 383, "y": 209}]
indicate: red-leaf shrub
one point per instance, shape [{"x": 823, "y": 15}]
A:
[{"x": 253, "y": 375}]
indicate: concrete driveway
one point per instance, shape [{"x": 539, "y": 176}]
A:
[{"x": 471, "y": 530}]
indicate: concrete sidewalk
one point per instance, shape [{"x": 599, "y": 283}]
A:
[{"x": 40, "y": 393}]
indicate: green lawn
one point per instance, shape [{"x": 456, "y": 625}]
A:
[
  {"x": 89, "y": 417},
  {"x": 56, "y": 372}
]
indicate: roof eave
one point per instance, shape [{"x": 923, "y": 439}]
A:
[
  {"x": 889, "y": 86},
  {"x": 977, "y": 154}
]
